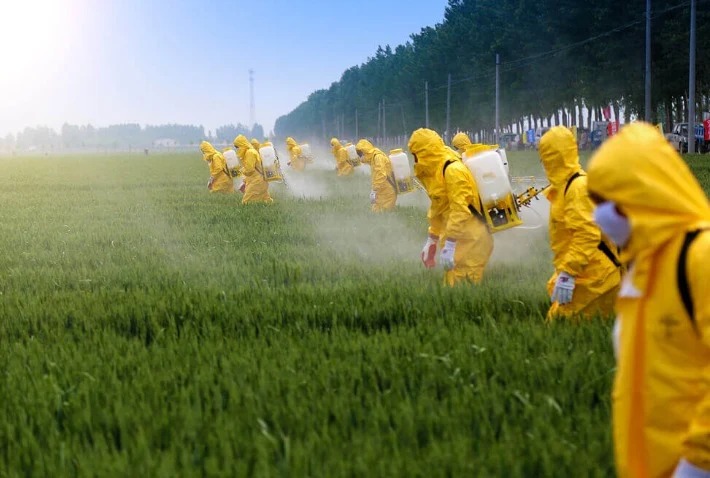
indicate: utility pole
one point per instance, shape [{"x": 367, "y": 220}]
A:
[
  {"x": 404, "y": 123},
  {"x": 426, "y": 104},
  {"x": 252, "y": 106},
  {"x": 447, "y": 134},
  {"x": 647, "y": 86},
  {"x": 357, "y": 133},
  {"x": 379, "y": 119},
  {"x": 691, "y": 85},
  {"x": 497, "y": 98},
  {"x": 384, "y": 121}
]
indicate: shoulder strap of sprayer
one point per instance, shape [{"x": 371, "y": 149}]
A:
[
  {"x": 569, "y": 181},
  {"x": 602, "y": 246},
  {"x": 682, "y": 275},
  {"x": 393, "y": 183},
  {"x": 476, "y": 213}
]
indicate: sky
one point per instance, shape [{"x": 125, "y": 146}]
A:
[{"x": 104, "y": 62}]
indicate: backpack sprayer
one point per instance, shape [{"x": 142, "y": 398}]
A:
[
  {"x": 500, "y": 206},
  {"x": 271, "y": 164}
]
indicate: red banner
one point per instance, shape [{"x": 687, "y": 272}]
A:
[{"x": 606, "y": 111}]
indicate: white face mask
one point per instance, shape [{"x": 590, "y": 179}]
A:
[{"x": 613, "y": 224}]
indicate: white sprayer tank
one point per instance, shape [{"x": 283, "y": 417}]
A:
[
  {"x": 404, "y": 182},
  {"x": 491, "y": 177},
  {"x": 306, "y": 150},
  {"x": 352, "y": 152},
  {"x": 268, "y": 156},
  {"x": 232, "y": 160},
  {"x": 400, "y": 164},
  {"x": 306, "y": 153}
]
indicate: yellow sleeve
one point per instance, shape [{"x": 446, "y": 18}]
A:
[
  {"x": 461, "y": 191},
  {"x": 217, "y": 165},
  {"x": 436, "y": 219},
  {"x": 342, "y": 156},
  {"x": 695, "y": 445},
  {"x": 379, "y": 173},
  {"x": 295, "y": 153},
  {"x": 579, "y": 223},
  {"x": 250, "y": 162}
]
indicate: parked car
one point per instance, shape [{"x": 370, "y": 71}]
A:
[{"x": 679, "y": 138}]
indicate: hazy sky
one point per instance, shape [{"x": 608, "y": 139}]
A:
[{"x": 185, "y": 61}]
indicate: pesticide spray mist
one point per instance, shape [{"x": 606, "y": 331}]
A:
[{"x": 353, "y": 232}]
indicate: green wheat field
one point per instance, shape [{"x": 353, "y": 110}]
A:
[{"x": 150, "y": 328}]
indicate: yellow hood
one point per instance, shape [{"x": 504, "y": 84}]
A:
[
  {"x": 207, "y": 150},
  {"x": 650, "y": 183},
  {"x": 461, "y": 141},
  {"x": 368, "y": 150},
  {"x": 242, "y": 144},
  {"x": 255, "y": 143},
  {"x": 291, "y": 143},
  {"x": 335, "y": 145},
  {"x": 430, "y": 151},
  {"x": 559, "y": 156}
]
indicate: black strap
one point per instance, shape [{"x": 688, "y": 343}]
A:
[
  {"x": 476, "y": 213},
  {"x": 682, "y": 276},
  {"x": 390, "y": 179},
  {"x": 608, "y": 252},
  {"x": 602, "y": 246},
  {"x": 569, "y": 181},
  {"x": 447, "y": 164}
]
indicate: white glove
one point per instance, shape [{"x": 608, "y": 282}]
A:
[
  {"x": 688, "y": 470},
  {"x": 373, "y": 197},
  {"x": 564, "y": 288},
  {"x": 429, "y": 252},
  {"x": 447, "y": 254}
]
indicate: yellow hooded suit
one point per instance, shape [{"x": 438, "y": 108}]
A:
[
  {"x": 220, "y": 179},
  {"x": 575, "y": 239},
  {"x": 661, "y": 398},
  {"x": 256, "y": 188},
  {"x": 382, "y": 176},
  {"x": 454, "y": 198}
]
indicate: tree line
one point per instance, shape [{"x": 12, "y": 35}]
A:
[
  {"x": 561, "y": 62},
  {"x": 122, "y": 136}
]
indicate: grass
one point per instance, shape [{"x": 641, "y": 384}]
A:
[{"x": 152, "y": 329}]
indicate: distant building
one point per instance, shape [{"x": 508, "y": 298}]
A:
[{"x": 165, "y": 143}]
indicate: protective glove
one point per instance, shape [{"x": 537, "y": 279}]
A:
[
  {"x": 373, "y": 197},
  {"x": 447, "y": 254},
  {"x": 564, "y": 288},
  {"x": 429, "y": 252},
  {"x": 209, "y": 183},
  {"x": 688, "y": 470}
]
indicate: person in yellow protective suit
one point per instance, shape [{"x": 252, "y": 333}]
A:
[
  {"x": 461, "y": 141},
  {"x": 255, "y": 144},
  {"x": 587, "y": 269},
  {"x": 454, "y": 215},
  {"x": 335, "y": 147},
  {"x": 343, "y": 166},
  {"x": 256, "y": 189},
  {"x": 298, "y": 162},
  {"x": 649, "y": 203},
  {"x": 220, "y": 179},
  {"x": 383, "y": 193}
]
